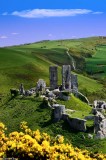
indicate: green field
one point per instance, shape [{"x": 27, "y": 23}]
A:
[
  {"x": 27, "y": 63},
  {"x": 30, "y": 62},
  {"x": 97, "y": 64},
  {"x": 38, "y": 116}
]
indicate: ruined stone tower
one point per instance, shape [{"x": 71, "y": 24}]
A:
[
  {"x": 66, "y": 77},
  {"x": 74, "y": 82},
  {"x": 53, "y": 77}
]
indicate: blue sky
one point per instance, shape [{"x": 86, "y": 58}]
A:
[{"x": 26, "y": 21}]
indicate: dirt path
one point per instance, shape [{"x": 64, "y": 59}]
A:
[{"x": 71, "y": 58}]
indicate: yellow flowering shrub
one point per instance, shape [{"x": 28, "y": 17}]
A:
[{"x": 33, "y": 145}]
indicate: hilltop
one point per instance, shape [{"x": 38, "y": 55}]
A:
[
  {"x": 29, "y": 62},
  {"x": 26, "y": 63}
]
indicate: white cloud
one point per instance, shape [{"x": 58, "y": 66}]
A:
[
  {"x": 97, "y": 12},
  {"x": 39, "y": 13},
  {"x": 14, "y": 33},
  {"x": 3, "y": 37}
]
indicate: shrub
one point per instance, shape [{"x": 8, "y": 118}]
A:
[{"x": 34, "y": 145}]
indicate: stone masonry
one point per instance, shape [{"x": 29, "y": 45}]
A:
[
  {"x": 75, "y": 123},
  {"x": 58, "y": 111},
  {"x": 69, "y": 80},
  {"x": 66, "y": 77},
  {"x": 41, "y": 85},
  {"x": 74, "y": 82},
  {"x": 99, "y": 125},
  {"x": 21, "y": 89},
  {"x": 53, "y": 77}
]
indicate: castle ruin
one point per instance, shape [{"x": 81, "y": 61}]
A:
[
  {"x": 53, "y": 77},
  {"x": 69, "y": 80}
]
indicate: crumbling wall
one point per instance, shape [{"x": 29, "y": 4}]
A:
[
  {"x": 99, "y": 125},
  {"x": 74, "y": 83},
  {"x": 53, "y": 77},
  {"x": 75, "y": 123},
  {"x": 66, "y": 77},
  {"x": 58, "y": 111}
]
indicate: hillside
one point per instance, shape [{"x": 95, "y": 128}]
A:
[
  {"x": 27, "y": 63},
  {"x": 38, "y": 116},
  {"x": 30, "y": 62},
  {"x": 96, "y": 66}
]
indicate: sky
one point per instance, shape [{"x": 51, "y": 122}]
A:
[{"x": 28, "y": 21}]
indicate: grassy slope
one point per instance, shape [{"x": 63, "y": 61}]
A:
[
  {"x": 75, "y": 104},
  {"x": 32, "y": 110},
  {"x": 27, "y": 63},
  {"x": 97, "y": 64},
  {"x": 18, "y": 66},
  {"x": 38, "y": 116},
  {"x": 87, "y": 83}
]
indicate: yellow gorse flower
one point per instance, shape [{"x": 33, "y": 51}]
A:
[{"x": 35, "y": 145}]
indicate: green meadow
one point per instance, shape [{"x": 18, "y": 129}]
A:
[
  {"x": 29, "y": 62},
  {"x": 97, "y": 64},
  {"x": 38, "y": 116}
]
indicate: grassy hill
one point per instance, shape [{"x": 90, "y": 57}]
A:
[
  {"x": 27, "y": 63},
  {"x": 33, "y": 110},
  {"x": 38, "y": 116},
  {"x": 96, "y": 66}
]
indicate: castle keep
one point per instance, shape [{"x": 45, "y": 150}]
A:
[{"x": 69, "y": 80}]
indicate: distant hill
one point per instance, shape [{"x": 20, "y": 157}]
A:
[{"x": 27, "y": 63}]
